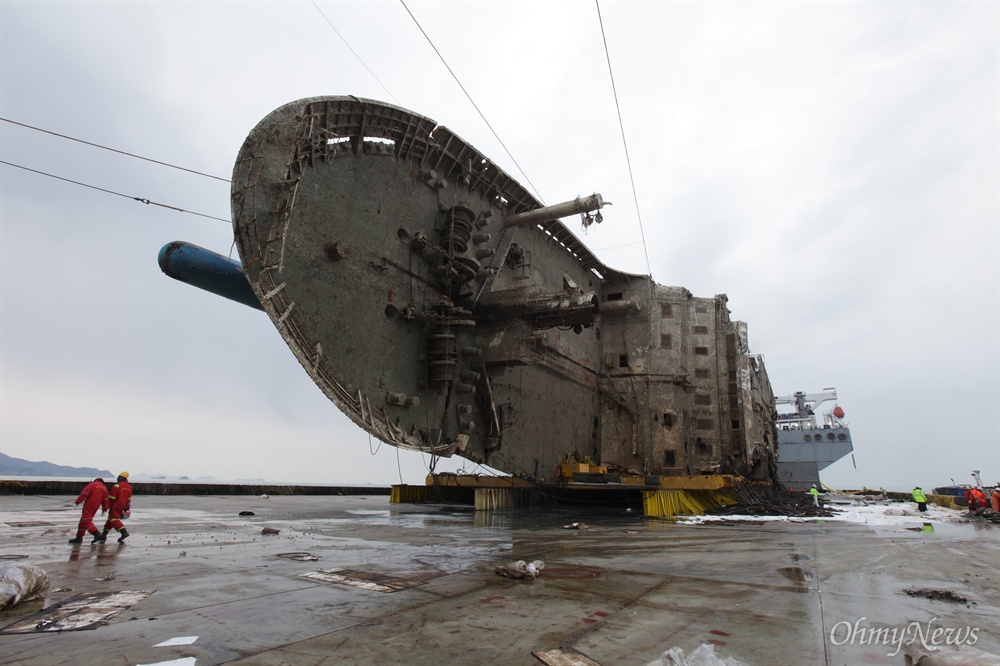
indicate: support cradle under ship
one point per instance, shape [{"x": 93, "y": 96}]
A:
[{"x": 443, "y": 309}]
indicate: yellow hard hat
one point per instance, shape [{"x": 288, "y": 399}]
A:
[{"x": 124, "y": 475}]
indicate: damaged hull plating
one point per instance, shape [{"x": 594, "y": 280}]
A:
[{"x": 435, "y": 305}]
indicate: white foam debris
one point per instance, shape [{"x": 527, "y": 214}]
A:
[
  {"x": 895, "y": 514},
  {"x": 703, "y": 655},
  {"x": 860, "y": 511}
]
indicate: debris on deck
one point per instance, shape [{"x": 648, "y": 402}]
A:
[
  {"x": 368, "y": 580},
  {"x": 703, "y": 655},
  {"x": 937, "y": 595},
  {"x": 984, "y": 514},
  {"x": 918, "y": 654},
  {"x": 560, "y": 657},
  {"x": 85, "y": 611},
  {"x": 520, "y": 569},
  {"x": 21, "y": 582},
  {"x": 298, "y": 556},
  {"x": 753, "y": 502}
]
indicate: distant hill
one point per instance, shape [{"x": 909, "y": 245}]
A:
[{"x": 10, "y": 466}]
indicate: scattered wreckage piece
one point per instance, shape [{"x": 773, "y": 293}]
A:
[
  {"x": 983, "y": 515},
  {"x": 776, "y": 503},
  {"x": 703, "y": 655},
  {"x": 560, "y": 657},
  {"x": 937, "y": 595},
  {"x": 20, "y": 583},
  {"x": 378, "y": 582},
  {"x": 78, "y": 613},
  {"x": 298, "y": 556},
  {"x": 521, "y": 569},
  {"x": 918, "y": 654}
]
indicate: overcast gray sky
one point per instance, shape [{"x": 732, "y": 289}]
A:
[{"x": 832, "y": 167}]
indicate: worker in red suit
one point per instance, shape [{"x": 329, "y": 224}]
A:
[
  {"x": 121, "y": 504},
  {"x": 93, "y": 497}
]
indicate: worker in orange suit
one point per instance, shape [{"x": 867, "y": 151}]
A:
[
  {"x": 976, "y": 499},
  {"x": 995, "y": 499},
  {"x": 980, "y": 497},
  {"x": 121, "y": 504},
  {"x": 93, "y": 497}
]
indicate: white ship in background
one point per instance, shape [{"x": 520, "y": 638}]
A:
[{"x": 805, "y": 446}]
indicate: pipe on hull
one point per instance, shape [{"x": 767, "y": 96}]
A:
[{"x": 207, "y": 270}]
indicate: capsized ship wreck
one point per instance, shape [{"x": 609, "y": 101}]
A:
[{"x": 444, "y": 309}]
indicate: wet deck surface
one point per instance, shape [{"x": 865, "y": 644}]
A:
[{"x": 619, "y": 593}]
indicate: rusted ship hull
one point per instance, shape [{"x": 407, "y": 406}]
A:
[{"x": 411, "y": 281}]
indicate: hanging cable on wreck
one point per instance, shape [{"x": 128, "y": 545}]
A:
[
  {"x": 142, "y": 200},
  {"x": 115, "y": 150},
  {"x": 621, "y": 125},
  {"x": 351, "y": 49},
  {"x": 469, "y": 97}
]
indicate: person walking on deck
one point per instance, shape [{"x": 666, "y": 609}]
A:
[
  {"x": 121, "y": 503},
  {"x": 93, "y": 497}
]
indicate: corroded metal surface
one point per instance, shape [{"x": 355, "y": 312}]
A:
[{"x": 426, "y": 295}]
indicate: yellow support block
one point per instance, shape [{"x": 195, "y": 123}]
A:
[
  {"x": 405, "y": 494},
  {"x": 698, "y": 482},
  {"x": 476, "y": 481},
  {"x": 671, "y": 503},
  {"x": 567, "y": 470}
]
